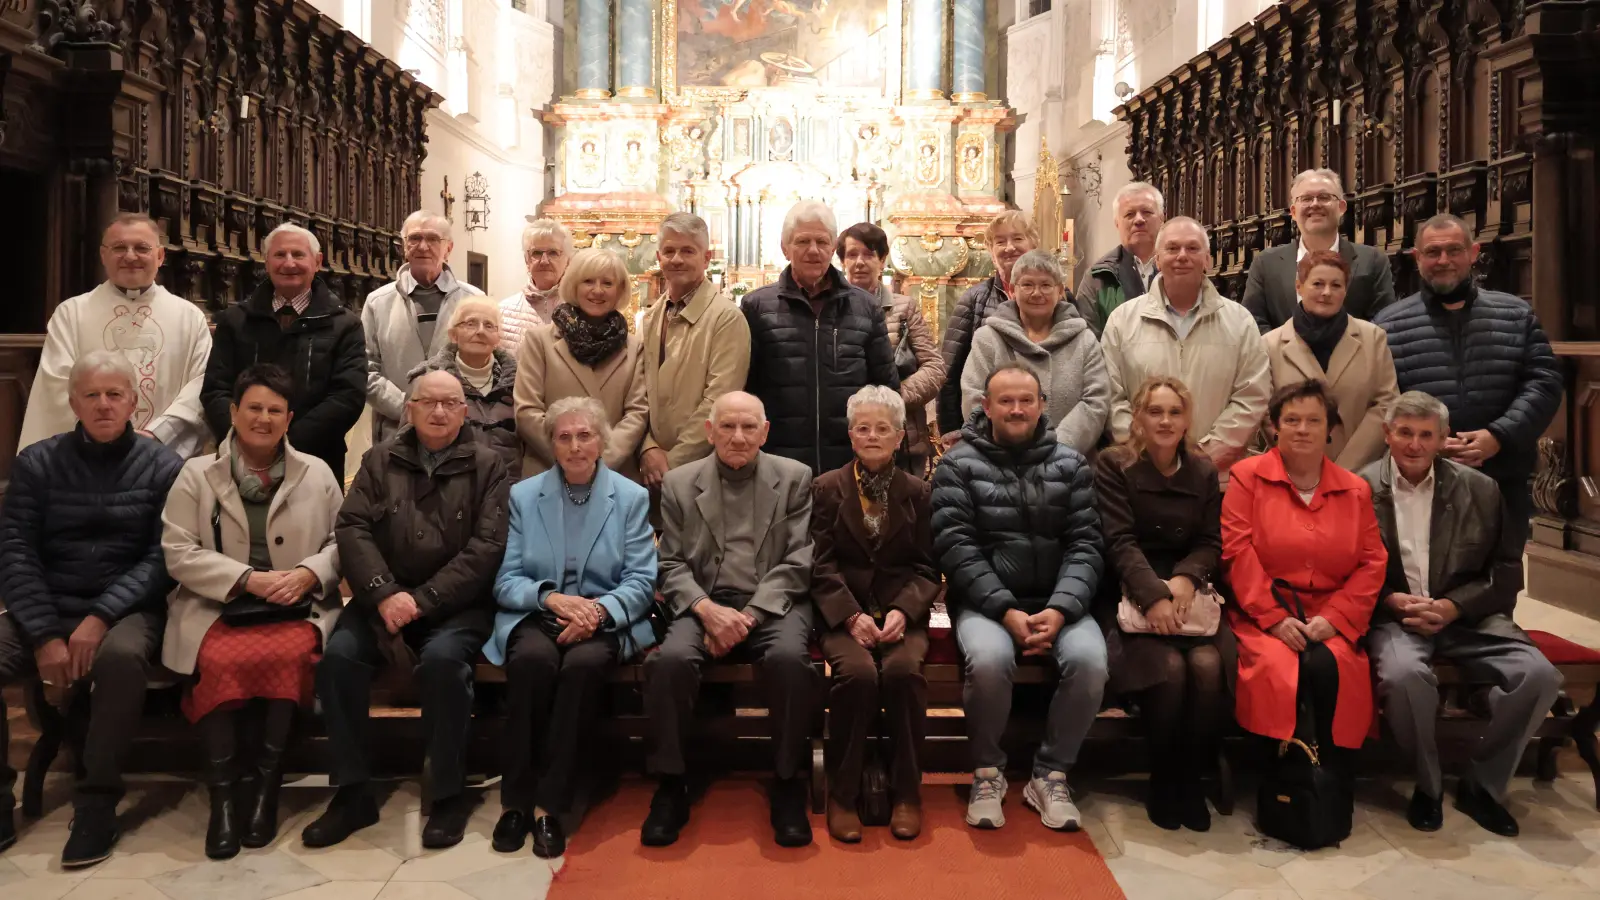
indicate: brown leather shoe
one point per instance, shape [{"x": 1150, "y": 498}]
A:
[
  {"x": 905, "y": 821},
  {"x": 843, "y": 823}
]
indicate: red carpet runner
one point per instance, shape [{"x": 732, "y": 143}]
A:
[{"x": 727, "y": 852}]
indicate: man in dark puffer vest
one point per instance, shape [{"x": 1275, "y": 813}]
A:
[
  {"x": 84, "y": 582},
  {"x": 814, "y": 341},
  {"x": 1481, "y": 353},
  {"x": 1016, "y": 533}
]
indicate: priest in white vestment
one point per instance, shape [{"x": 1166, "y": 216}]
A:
[{"x": 164, "y": 337}]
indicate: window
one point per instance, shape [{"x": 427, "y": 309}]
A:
[{"x": 1038, "y": 7}]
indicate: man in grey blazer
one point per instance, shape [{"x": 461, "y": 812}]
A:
[
  {"x": 1451, "y": 588},
  {"x": 1317, "y": 204},
  {"x": 735, "y": 573}
]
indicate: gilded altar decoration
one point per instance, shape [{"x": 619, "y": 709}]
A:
[
  {"x": 588, "y": 170},
  {"x": 973, "y": 155},
  {"x": 780, "y": 141},
  {"x": 633, "y": 159},
  {"x": 927, "y": 168},
  {"x": 1047, "y": 200}
]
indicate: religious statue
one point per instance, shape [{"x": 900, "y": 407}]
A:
[
  {"x": 927, "y": 162},
  {"x": 874, "y": 151},
  {"x": 685, "y": 146},
  {"x": 971, "y": 151}
]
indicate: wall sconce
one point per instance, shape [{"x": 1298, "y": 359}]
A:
[{"x": 477, "y": 197}]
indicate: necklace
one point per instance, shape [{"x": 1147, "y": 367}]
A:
[{"x": 588, "y": 491}]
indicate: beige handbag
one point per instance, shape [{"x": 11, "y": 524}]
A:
[{"x": 1205, "y": 616}]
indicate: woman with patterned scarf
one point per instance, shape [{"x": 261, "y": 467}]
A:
[{"x": 585, "y": 351}]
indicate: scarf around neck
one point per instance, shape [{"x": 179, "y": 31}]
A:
[
  {"x": 592, "y": 341},
  {"x": 257, "y": 487},
  {"x": 1320, "y": 334}
]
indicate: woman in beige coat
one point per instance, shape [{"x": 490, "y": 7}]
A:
[
  {"x": 1324, "y": 343},
  {"x": 585, "y": 351},
  {"x": 250, "y": 530}
]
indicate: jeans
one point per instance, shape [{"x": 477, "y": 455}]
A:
[{"x": 991, "y": 660}]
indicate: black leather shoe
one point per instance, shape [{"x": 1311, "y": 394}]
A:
[
  {"x": 1473, "y": 800},
  {"x": 1161, "y": 801},
  {"x": 222, "y": 833},
  {"x": 351, "y": 809},
  {"x": 1192, "y": 809},
  {"x": 791, "y": 822},
  {"x": 549, "y": 841},
  {"x": 669, "y": 812},
  {"x": 447, "y": 822},
  {"x": 94, "y": 833},
  {"x": 8, "y": 830},
  {"x": 510, "y": 832},
  {"x": 1425, "y": 813}
]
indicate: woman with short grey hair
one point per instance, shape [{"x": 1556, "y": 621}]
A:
[
  {"x": 588, "y": 407},
  {"x": 1042, "y": 331}
]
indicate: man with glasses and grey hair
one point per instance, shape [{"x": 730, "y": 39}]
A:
[
  {"x": 402, "y": 320},
  {"x": 164, "y": 337},
  {"x": 815, "y": 339},
  {"x": 546, "y": 249},
  {"x": 293, "y": 321},
  {"x": 697, "y": 348},
  {"x": 85, "y": 585},
  {"x": 1316, "y": 201},
  {"x": 1455, "y": 567},
  {"x": 1126, "y": 272}
]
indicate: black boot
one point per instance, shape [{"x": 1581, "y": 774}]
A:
[
  {"x": 262, "y": 828},
  {"x": 222, "y": 780},
  {"x": 8, "y": 829},
  {"x": 1161, "y": 798}
]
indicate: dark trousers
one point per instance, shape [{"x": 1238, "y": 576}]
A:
[
  {"x": 114, "y": 693},
  {"x": 779, "y": 646},
  {"x": 445, "y": 654},
  {"x": 553, "y": 698},
  {"x": 859, "y": 690}
]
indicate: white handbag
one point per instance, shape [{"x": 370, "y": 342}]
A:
[{"x": 1205, "y": 616}]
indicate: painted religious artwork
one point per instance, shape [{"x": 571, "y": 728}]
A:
[
  {"x": 926, "y": 168},
  {"x": 780, "y": 141},
  {"x": 589, "y": 167},
  {"x": 633, "y": 158},
  {"x": 741, "y": 138},
  {"x": 973, "y": 156},
  {"x": 833, "y": 44}
]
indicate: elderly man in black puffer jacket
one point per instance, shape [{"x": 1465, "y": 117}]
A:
[
  {"x": 1016, "y": 533},
  {"x": 84, "y": 583},
  {"x": 1483, "y": 354},
  {"x": 814, "y": 341}
]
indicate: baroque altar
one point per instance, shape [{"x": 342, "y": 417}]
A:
[{"x": 736, "y": 109}]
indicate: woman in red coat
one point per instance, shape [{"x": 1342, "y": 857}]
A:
[{"x": 1293, "y": 517}]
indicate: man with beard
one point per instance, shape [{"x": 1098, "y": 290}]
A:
[{"x": 1481, "y": 353}]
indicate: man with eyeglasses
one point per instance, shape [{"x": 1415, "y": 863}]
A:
[
  {"x": 1484, "y": 355},
  {"x": 546, "y": 249},
  {"x": 1317, "y": 204},
  {"x": 164, "y": 337},
  {"x": 293, "y": 320},
  {"x": 421, "y": 537},
  {"x": 403, "y": 321}
]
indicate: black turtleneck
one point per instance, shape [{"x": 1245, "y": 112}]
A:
[
  {"x": 1464, "y": 293},
  {"x": 1321, "y": 333},
  {"x": 109, "y": 453}
]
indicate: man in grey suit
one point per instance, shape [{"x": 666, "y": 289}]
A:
[
  {"x": 1317, "y": 204},
  {"x": 1454, "y": 572},
  {"x": 736, "y": 574}
]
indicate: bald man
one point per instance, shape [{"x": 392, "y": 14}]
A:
[{"x": 736, "y": 575}]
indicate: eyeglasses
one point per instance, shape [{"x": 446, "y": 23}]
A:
[
  {"x": 546, "y": 254},
  {"x": 1437, "y": 252},
  {"x": 566, "y": 438},
  {"x": 449, "y": 405},
  {"x": 142, "y": 251},
  {"x": 421, "y": 238},
  {"x": 1323, "y": 199},
  {"x": 865, "y": 431},
  {"x": 478, "y": 325}
]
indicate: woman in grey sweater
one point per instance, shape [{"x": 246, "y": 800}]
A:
[{"x": 1047, "y": 336}]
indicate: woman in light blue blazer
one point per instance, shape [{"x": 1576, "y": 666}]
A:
[{"x": 575, "y": 593}]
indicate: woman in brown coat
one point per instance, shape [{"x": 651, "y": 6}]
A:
[
  {"x": 863, "y": 249},
  {"x": 874, "y": 582},
  {"x": 1160, "y": 507},
  {"x": 585, "y": 351}
]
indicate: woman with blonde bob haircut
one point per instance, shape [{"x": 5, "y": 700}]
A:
[
  {"x": 1161, "y": 506},
  {"x": 585, "y": 351}
]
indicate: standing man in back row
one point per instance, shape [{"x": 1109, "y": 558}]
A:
[
  {"x": 402, "y": 320},
  {"x": 815, "y": 340},
  {"x": 1126, "y": 272},
  {"x": 1317, "y": 204}
]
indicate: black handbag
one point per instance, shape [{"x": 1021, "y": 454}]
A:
[
  {"x": 247, "y": 609},
  {"x": 1301, "y": 801},
  {"x": 873, "y": 804}
]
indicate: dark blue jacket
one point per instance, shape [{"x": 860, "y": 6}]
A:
[
  {"x": 80, "y": 534},
  {"x": 1491, "y": 365},
  {"x": 1016, "y": 528}
]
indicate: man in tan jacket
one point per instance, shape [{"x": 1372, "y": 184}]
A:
[
  {"x": 1182, "y": 327},
  {"x": 696, "y": 348}
]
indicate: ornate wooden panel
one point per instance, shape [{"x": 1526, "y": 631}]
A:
[{"x": 1488, "y": 109}]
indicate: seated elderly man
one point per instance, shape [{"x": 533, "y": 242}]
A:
[
  {"x": 1455, "y": 566},
  {"x": 735, "y": 573},
  {"x": 83, "y": 581},
  {"x": 421, "y": 536},
  {"x": 1016, "y": 533}
]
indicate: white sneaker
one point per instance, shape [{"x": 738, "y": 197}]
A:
[
  {"x": 988, "y": 791},
  {"x": 1050, "y": 798}
]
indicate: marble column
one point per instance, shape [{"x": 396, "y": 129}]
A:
[
  {"x": 968, "y": 57},
  {"x": 634, "y": 78},
  {"x": 594, "y": 49},
  {"x": 925, "y": 51}
]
